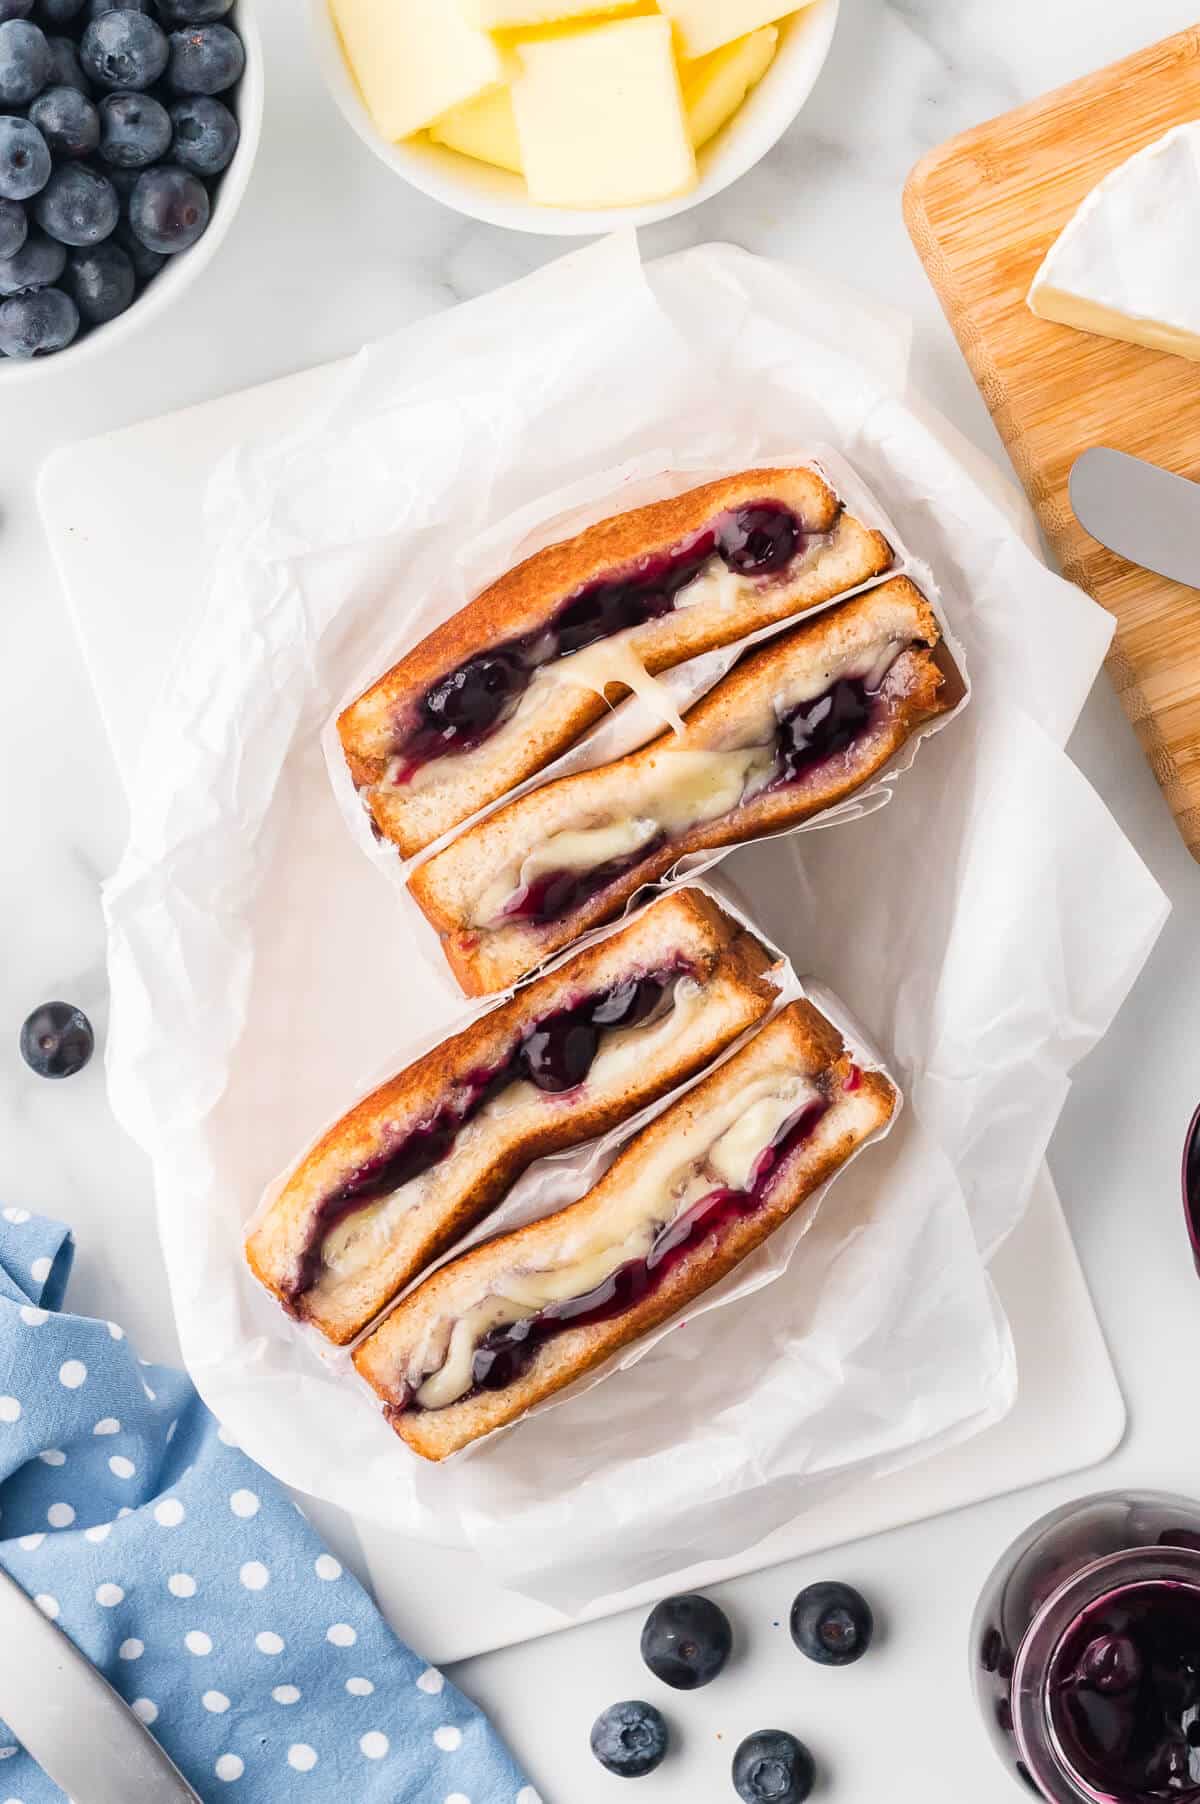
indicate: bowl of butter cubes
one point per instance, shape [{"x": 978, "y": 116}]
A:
[{"x": 571, "y": 117}]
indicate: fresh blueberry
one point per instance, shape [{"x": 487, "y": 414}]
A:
[
  {"x": 57, "y": 1040},
  {"x": 832, "y": 1624},
  {"x": 629, "y": 1739},
  {"x": 54, "y": 14},
  {"x": 66, "y": 71},
  {"x": 135, "y": 130},
  {"x": 206, "y": 134},
  {"x": 25, "y": 162},
  {"x": 24, "y": 62},
  {"x": 15, "y": 9},
  {"x": 686, "y": 1641},
  {"x": 195, "y": 12},
  {"x": 37, "y": 264},
  {"x": 77, "y": 206},
  {"x": 100, "y": 281},
  {"x": 146, "y": 263},
  {"x": 123, "y": 50},
  {"x": 14, "y": 228},
  {"x": 772, "y": 1767},
  {"x": 97, "y": 8},
  {"x": 205, "y": 59},
  {"x": 34, "y": 325},
  {"x": 67, "y": 120},
  {"x": 168, "y": 209}
]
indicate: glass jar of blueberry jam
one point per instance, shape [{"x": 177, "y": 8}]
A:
[{"x": 1085, "y": 1652}]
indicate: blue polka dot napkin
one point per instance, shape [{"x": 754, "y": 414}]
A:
[{"x": 189, "y": 1577}]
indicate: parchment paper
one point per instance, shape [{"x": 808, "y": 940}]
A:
[{"x": 984, "y": 927}]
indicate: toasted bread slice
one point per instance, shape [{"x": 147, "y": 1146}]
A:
[
  {"x": 769, "y": 1127},
  {"x": 567, "y": 694},
  {"x": 352, "y": 1226},
  {"x": 597, "y": 837}
]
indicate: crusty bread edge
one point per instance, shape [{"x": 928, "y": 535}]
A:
[
  {"x": 437, "y": 1434},
  {"x": 481, "y": 964},
  {"x": 521, "y": 597},
  {"x": 732, "y": 952}
]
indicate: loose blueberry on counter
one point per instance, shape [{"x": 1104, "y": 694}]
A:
[
  {"x": 14, "y": 228},
  {"x": 25, "y": 161},
  {"x": 24, "y": 62},
  {"x": 168, "y": 209},
  {"x": 100, "y": 281},
  {"x": 205, "y": 59},
  {"x": 57, "y": 1040},
  {"x": 38, "y": 263},
  {"x": 67, "y": 121},
  {"x": 630, "y": 1739},
  {"x": 772, "y": 1767},
  {"x": 832, "y": 1624},
  {"x": 66, "y": 70},
  {"x": 206, "y": 134},
  {"x": 135, "y": 130},
  {"x": 686, "y": 1641},
  {"x": 77, "y": 206},
  {"x": 124, "y": 50}
]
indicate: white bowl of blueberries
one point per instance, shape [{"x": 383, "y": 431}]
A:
[{"x": 127, "y": 133}]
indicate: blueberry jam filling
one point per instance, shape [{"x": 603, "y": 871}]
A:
[
  {"x": 805, "y": 737},
  {"x": 557, "y": 893},
  {"x": 1125, "y": 1693},
  {"x": 818, "y": 730},
  {"x": 464, "y": 708},
  {"x": 555, "y": 1056},
  {"x": 505, "y": 1353}
]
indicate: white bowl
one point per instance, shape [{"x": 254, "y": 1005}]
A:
[
  {"x": 182, "y": 270},
  {"x": 500, "y": 198}
]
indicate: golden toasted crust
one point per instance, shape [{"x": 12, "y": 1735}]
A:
[
  {"x": 730, "y": 965},
  {"x": 812, "y": 1048},
  {"x": 524, "y": 600},
  {"x": 489, "y": 958}
]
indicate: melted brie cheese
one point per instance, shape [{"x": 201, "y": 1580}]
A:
[
  {"x": 609, "y": 664},
  {"x": 678, "y": 789},
  {"x": 1127, "y": 265},
  {"x": 718, "y": 1148},
  {"x": 366, "y": 1234}
]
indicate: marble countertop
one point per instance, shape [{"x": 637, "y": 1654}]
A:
[{"x": 329, "y": 250}]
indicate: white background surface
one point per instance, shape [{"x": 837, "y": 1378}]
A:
[{"x": 330, "y": 250}]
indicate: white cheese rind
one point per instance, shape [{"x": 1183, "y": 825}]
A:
[{"x": 1127, "y": 265}]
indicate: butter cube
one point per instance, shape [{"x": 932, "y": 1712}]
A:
[
  {"x": 714, "y": 86},
  {"x": 600, "y": 116},
  {"x": 512, "y": 15},
  {"x": 485, "y": 129},
  {"x": 704, "y": 25},
  {"x": 414, "y": 59}
]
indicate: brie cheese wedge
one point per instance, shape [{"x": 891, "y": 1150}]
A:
[{"x": 1127, "y": 265}]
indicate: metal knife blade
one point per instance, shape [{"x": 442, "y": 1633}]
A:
[
  {"x": 69, "y": 1718},
  {"x": 1140, "y": 511}
]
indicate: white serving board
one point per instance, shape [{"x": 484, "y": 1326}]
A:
[{"x": 131, "y": 614}]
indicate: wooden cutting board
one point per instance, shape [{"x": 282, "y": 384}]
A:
[{"x": 983, "y": 210}]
